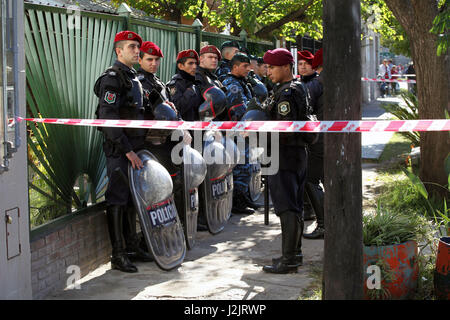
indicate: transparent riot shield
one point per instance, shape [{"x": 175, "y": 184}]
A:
[
  {"x": 152, "y": 189},
  {"x": 194, "y": 173},
  {"x": 256, "y": 187},
  {"x": 232, "y": 149},
  {"x": 214, "y": 190}
]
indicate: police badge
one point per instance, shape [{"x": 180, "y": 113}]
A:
[
  {"x": 284, "y": 108},
  {"x": 110, "y": 97}
]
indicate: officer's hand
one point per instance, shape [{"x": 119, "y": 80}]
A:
[{"x": 136, "y": 162}]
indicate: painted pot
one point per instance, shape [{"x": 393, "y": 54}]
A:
[
  {"x": 442, "y": 271},
  {"x": 398, "y": 270}
]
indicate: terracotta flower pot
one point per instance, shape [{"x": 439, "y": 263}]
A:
[
  {"x": 401, "y": 264},
  {"x": 442, "y": 271}
]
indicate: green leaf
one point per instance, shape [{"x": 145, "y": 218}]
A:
[{"x": 417, "y": 183}]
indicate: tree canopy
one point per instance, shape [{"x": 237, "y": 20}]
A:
[{"x": 259, "y": 18}]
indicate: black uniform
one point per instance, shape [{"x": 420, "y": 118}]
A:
[
  {"x": 223, "y": 69},
  {"x": 155, "y": 92},
  {"x": 290, "y": 102},
  {"x": 185, "y": 94},
  {"x": 315, "y": 158},
  {"x": 121, "y": 97}
]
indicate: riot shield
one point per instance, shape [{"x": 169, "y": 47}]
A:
[
  {"x": 255, "y": 188},
  {"x": 214, "y": 195},
  {"x": 194, "y": 172},
  {"x": 232, "y": 149},
  {"x": 151, "y": 188}
]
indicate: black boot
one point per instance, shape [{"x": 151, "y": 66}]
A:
[
  {"x": 308, "y": 209},
  {"x": 298, "y": 251},
  {"x": 240, "y": 205},
  {"x": 289, "y": 238},
  {"x": 317, "y": 197},
  {"x": 119, "y": 259},
  {"x": 133, "y": 249}
]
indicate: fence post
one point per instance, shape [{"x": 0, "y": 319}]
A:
[
  {"x": 243, "y": 36},
  {"x": 125, "y": 12},
  {"x": 198, "y": 31}
]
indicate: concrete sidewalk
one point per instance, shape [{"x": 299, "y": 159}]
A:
[
  {"x": 220, "y": 267},
  {"x": 373, "y": 144}
]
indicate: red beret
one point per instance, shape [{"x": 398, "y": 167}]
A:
[
  {"x": 127, "y": 35},
  {"x": 318, "y": 59},
  {"x": 278, "y": 57},
  {"x": 188, "y": 54},
  {"x": 211, "y": 49},
  {"x": 305, "y": 55},
  {"x": 151, "y": 48}
]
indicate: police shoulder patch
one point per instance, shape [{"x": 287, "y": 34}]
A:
[
  {"x": 173, "y": 90},
  {"x": 110, "y": 97},
  {"x": 284, "y": 108}
]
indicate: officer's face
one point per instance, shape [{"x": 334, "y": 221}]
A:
[
  {"x": 150, "y": 63},
  {"x": 278, "y": 74},
  {"x": 242, "y": 69},
  {"x": 189, "y": 66},
  {"x": 209, "y": 61},
  {"x": 262, "y": 69},
  {"x": 304, "y": 68},
  {"x": 128, "y": 53}
]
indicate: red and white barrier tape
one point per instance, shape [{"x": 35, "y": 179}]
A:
[
  {"x": 387, "y": 80},
  {"x": 263, "y": 126}
]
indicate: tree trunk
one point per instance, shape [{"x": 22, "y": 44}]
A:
[
  {"x": 416, "y": 17},
  {"x": 343, "y": 247}
]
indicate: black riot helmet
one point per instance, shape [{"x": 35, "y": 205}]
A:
[
  {"x": 255, "y": 115},
  {"x": 260, "y": 91},
  {"x": 163, "y": 111},
  {"x": 215, "y": 103}
]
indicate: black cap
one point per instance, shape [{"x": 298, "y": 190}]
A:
[
  {"x": 241, "y": 57},
  {"x": 230, "y": 44}
]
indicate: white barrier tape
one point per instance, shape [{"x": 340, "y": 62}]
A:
[{"x": 263, "y": 126}]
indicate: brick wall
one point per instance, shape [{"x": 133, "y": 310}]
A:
[{"x": 80, "y": 239}]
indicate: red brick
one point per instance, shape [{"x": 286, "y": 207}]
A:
[{"x": 36, "y": 245}]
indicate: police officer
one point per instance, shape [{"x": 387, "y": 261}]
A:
[
  {"x": 314, "y": 205},
  {"x": 209, "y": 59},
  {"x": 289, "y": 102},
  {"x": 183, "y": 88},
  {"x": 304, "y": 68},
  {"x": 239, "y": 95},
  {"x": 228, "y": 49},
  {"x": 120, "y": 97},
  {"x": 261, "y": 71},
  {"x": 311, "y": 78}
]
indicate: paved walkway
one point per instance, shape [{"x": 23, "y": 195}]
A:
[
  {"x": 229, "y": 264},
  {"x": 373, "y": 143}
]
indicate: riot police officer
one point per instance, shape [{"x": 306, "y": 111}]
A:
[
  {"x": 239, "y": 95},
  {"x": 183, "y": 87},
  {"x": 120, "y": 97},
  {"x": 315, "y": 151},
  {"x": 289, "y": 102},
  {"x": 228, "y": 49}
]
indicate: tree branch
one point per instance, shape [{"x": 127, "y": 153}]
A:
[{"x": 292, "y": 16}]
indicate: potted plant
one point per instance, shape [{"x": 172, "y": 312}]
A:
[
  {"x": 391, "y": 244},
  {"x": 442, "y": 221}
]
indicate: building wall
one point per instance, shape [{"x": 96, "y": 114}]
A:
[
  {"x": 79, "y": 240},
  {"x": 15, "y": 281}
]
